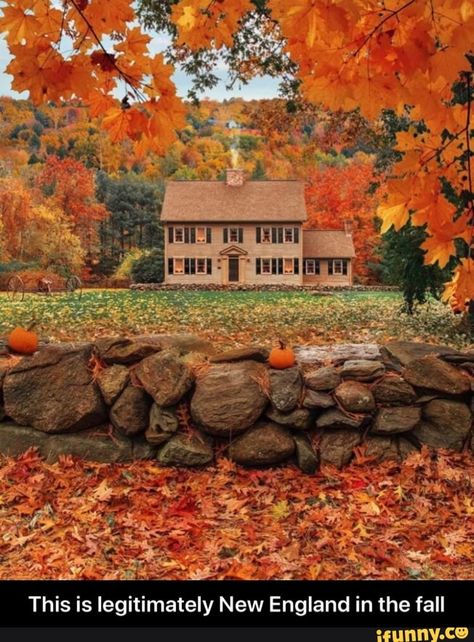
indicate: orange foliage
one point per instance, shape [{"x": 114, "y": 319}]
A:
[{"x": 340, "y": 193}]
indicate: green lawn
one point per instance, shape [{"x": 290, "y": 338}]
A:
[{"x": 234, "y": 317}]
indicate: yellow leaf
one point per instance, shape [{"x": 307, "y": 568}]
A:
[{"x": 396, "y": 215}]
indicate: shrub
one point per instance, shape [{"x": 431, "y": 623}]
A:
[
  {"x": 149, "y": 268},
  {"x": 124, "y": 270}
]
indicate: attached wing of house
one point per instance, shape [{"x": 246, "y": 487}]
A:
[{"x": 248, "y": 232}]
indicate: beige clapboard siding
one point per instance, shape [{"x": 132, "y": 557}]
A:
[{"x": 247, "y": 266}]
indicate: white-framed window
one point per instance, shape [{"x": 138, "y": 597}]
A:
[
  {"x": 200, "y": 235},
  {"x": 310, "y": 266},
  {"x": 179, "y": 234},
  {"x": 233, "y": 234},
  {"x": 266, "y": 266},
  {"x": 178, "y": 266},
  {"x": 288, "y": 266},
  {"x": 201, "y": 266},
  {"x": 288, "y": 233},
  {"x": 337, "y": 266},
  {"x": 266, "y": 235}
]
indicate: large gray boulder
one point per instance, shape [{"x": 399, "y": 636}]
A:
[
  {"x": 92, "y": 444},
  {"x": 252, "y": 353},
  {"x": 336, "y": 447},
  {"x": 355, "y": 397},
  {"x": 130, "y": 350},
  {"x": 322, "y": 379},
  {"x": 446, "y": 424},
  {"x": 393, "y": 390},
  {"x": 306, "y": 457},
  {"x": 165, "y": 377},
  {"x": 299, "y": 419},
  {"x": 230, "y": 397},
  {"x": 434, "y": 374},
  {"x": 396, "y": 419},
  {"x": 53, "y": 391},
  {"x": 335, "y": 418},
  {"x": 162, "y": 425},
  {"x": 362, "y": 369},
  {"x": 286, "y": 387},
  {"x": 112, "y": 381},
  {"x": 186, "y": 450},
  {"x": 131, "y": 411},
  {"x": 265, "y": 444},
  {"x": 407, "y": 351},
  {"x": 317, "y": 400}
]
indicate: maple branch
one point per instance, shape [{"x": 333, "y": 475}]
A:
[
  {"x": 125, "y": 77},
  {"x": 392, "y": 14},
  {"x": 442, "y": 148}
]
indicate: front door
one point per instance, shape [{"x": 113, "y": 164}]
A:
[{"x": 233, "y": 269}]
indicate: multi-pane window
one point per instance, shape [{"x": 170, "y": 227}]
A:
[
  {"x": 266, "y": 235},
  {"x": 201, "y": 266},
  {"x": 178, "y": 267},
  {"x": 311, "y": 266},
  {"x": 266, "y": 266},
  {"x": 200, "y": 235},
  {"x": 288, "y": 266},
  {"x": 233, "y": 235},
  {"x": 179, "y": 234},
  {"x": 288, "y": 234},
  {"x": 337, "y": 266}
]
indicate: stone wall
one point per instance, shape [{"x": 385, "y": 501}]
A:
[{"x": 175, "y": 399}]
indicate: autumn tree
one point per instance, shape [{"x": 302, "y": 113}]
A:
[
  {"x": 69, "y": 186},
  {"x": 335, "y": 194},
  {"x": 15, "y": 217},
  {"x": 414, "y": 57}
]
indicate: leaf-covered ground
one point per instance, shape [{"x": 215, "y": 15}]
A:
[
  {"x": 82, "y": 520},
  {"x": 228, "y": 318}
]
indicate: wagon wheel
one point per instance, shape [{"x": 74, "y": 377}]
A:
[
  {"x": 74, "y": 284},
  {"x": 16, "y": 288}
]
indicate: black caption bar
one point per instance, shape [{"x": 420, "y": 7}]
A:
[{"x": 380, "y": 604}]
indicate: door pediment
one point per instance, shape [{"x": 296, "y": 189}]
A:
[{"x": 234, "y": 250}]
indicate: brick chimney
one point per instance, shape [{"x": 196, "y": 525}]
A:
[
  {"x": 234, "y": 177},
  {"x": 348, "y": 226}
]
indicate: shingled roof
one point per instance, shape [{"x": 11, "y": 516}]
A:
[
  {"x": 326, "y": 244},
  {"x": 215, "y": 201}
]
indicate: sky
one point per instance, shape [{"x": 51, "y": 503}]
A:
[{"x": 264, "y": 87}]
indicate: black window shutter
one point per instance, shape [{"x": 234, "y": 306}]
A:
[
  {"x": 209, "y": 265},
  {"x": 274, "y": 235},
  {"x": 186, "y": 266},
  {"x": 193, "y": 235},
  {"x": 186, "y": 234},
  {"x": 317, "y": 267},
  {"x": 258, "y": 268},
  {"x": 170, "y": 266},
  {"x": 170, "y": 234},
  {"x": 226, "y": 235},
  {"x": 344, "y": 267},
  {"x": 329, "y": 267},
  {"x": 296, "y": 266},
  {"x": 274, "y": 266},
  {"x": 208, "y": 235},
  {"x": 304, "y": 266},
  {"x": 241, "y": 234},
  {"x": 280, "y": 235},
  {"x": 280, "y": 266},
  {"x": 259, "y": 234},
  {"x": 296, "y": 235},
  {"x": 192, "y": 263}
]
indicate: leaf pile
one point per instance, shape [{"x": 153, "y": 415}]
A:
[{"x": 99, "y": 521}]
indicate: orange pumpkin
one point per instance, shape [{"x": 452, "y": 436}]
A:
[
  {"x": 282, "y": 357},
  {"x": 23, "y": 341}
]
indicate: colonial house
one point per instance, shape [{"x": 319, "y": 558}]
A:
[{"x": 249, "y": 232}]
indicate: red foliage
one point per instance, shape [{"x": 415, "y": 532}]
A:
[
  {"x": 72, "y": 187},
  {"x": 77, "y": 519},
  {"x": 336, "y": 194}
]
